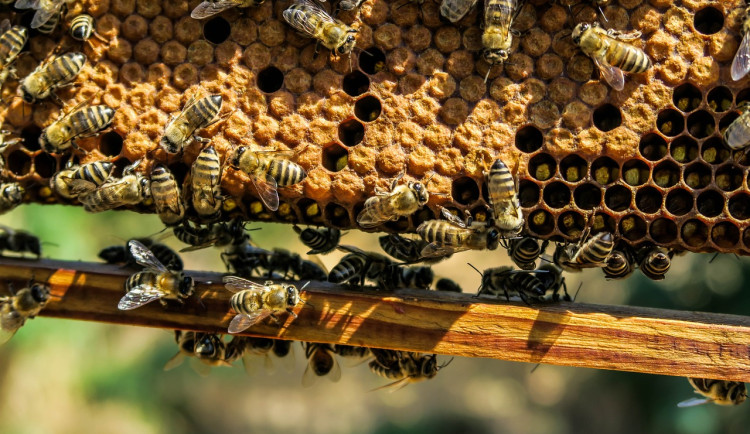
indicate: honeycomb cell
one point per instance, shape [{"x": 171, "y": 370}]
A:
[
  {"x": 697, "y": 176},
  {"x": 603, "y": 222},
  {"x": 529, "y": 139},
  {"x": 556, "y": 195},
  {"x": 422, "y": 216},
  {"x": 742, "y": 96},
  {"x": 216, "y": 30},
  {"x": 663, "y": 230},
  {"x": 335, "y": 157},
  {"x": 701, "y": 124},
  {"x": 635, "y": 172},
  {"x": 399, "y": 225},
  {"x": 541, "y": 222},
  {"x": 351, "y": 132},
  {"x": 686, "y": 97},
  {"x": 119, "y": 165},
  {"x": 739, "y": 206},
  {"x": 725, "y": 235},
  {"x": 367, "y": 108},
  {"x": 632, "y": 228},
  {"x": 465, "y": 190},
  {"x": 30, "y": 137},
  {"x": 270, "y": 79},
  {"x": 179, "y": 171},
  {"x": 19, "y": 162},
  {"x": 694, "y": 233},
  {"x": 111, "y": 144},
  {"x": 605, "y": 170},
  {"x": 666, "y": 174},
  {"x": 728, "y": 178},
  {"x": 607, "y": 117},
  {"x": 653, "y": 147},
  {"x": 542, "y": 167},
  {"x": 573, "y": 168},
  {"x": 683, "y": 149},
  {"x": 618, "y": 198},
  {"x": 587, "y": 196},
  {"x": 679, "y": 202},
  {"x": 372, "y": 60},
  {"x": 571, "y": 224},
  {"x": 355, "y": 83},
  {"x": 670, "y": 122},
  {"x": 337, "y": 215},
  {"x": 648, "y": 200},
  {"x": 708, "y": 20},
  {"x": 310, "y": 211},
  {"x": 528, "y": 193},
  {"x": 719, "y": 99},
  {"x": 713, "y": 151},
  {"x": 710, "y": 203}
]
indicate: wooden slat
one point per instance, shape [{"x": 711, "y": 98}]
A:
[{"x": 573, "y": 334}]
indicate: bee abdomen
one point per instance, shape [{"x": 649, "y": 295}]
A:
[
  {"x": 82, "y": 27},
  {"x": 348, "y": 268},
  {"x": 96, "y": 172},
  {"x": 618, "y": 266},
  {"x": 204, "y": 111},
  {"x": 141, "y": 278},
  {"x": 628, "y": 58},
  {"x": 656, "y": 264},
  {"x": 243, "y": 302},
  {"x": 11, "y": 43},
  {"x": 285, "y": 172},
  {"x": 65, "y": 67},
  {"x": 49, "y": 26},
  {"x": 597, "y": 250}
]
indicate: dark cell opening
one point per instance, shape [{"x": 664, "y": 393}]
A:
[
  {"x": 739, "y": 206},
  {"x": 309, "y": 210},
  {"x": 746, "y": 238},
  {"x": 725, "y": 235},
  {"x": 571, "y": 224},
  {"x": 541, "y": 222},
  {"x": 618, "y": 198},
  {"x": 587, "y": 196},
  {"x": 666, "y": 174},
  {"x": 351, "y": 132},
  {"x": 529, "y": 139},
  {"x": 670, "y": 122},
  {"x": 687, "y": 97},
  {"x": 399, "y": 225},
  {"x": 663, "y": 230},
  {"x": 367, "y": 109},
  {"x": 179, "y": 171},
  {"x": 694, "y": 233},
  {"x": 335, "y": 157},
  {"x": 719, "y": 99},
  {"x": 697, "y": 176},
  {"x": 648, "y": 200},
  {"x": 573, "y": 168},
  {"x": 422, "y": 216},
  {"x": 556, "y": 195},
  {"x": 19, "y": 162},
  {"x": 727, "y": 119},
  {"x": 607, "y": 117},
  {"x": 270, "y": 79},
  {"x": 111, "y": 144},
  {"x": 372, "y": 60},
  {"x": 701, "y": 124},
  {"x": 355, "y": 83},
  {"x": 337, "y": 215},
  {"x": 742, "y": 96},
  {"x": 713, "y": 151},
  {"x": 635, "y": 172},
  {"x": 605, "y": 170},
  {"x": 465, "y": 190},
  {"x": 632, "y": 228},
  {"x": 30, "y": 136},
  {"x": 604, "y": 223},
  {"x": 708, "y": 20},
  {"x": 542, "y": 167},
  {"x": 710, "y": 203},
  {"x": 528, "y": 193},
  {"x": 119, "y": 165},
  {"x": 679, "y": 202},
  {"x": 45, "y": 165},
  {"x": 653, "y": 147},
  {"x": 684, "y": 149},
  {"x": 729, "y": 178},
  {"x": 480, "y": 214},
  {"x": 216, "y": 30}
]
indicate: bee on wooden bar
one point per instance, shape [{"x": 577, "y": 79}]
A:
[
  {"x": 351, "y": 351},
  {"x": 288, "y": 264},
  {"x": 268, "y": 172},
  {"x": 167, "y": 197},
  {"x": 447, "y": 285},
  {"x": 11, "y": 195},
  {"x": 16, "y": 309},
  {"x": 506, "y": 208},
  {"x": 210, "y": 350},
  {"x": 75, "y": 180},
  {"x": 321, "y": 362},
  {"x": 254, "y": 302},
  {"x": 497, "y": 37},
  {"x": 397, "y": 276},
  {"x": 454, "y": 10},
  {"x": 120, "y": 254},
  {"x": 132, "y": 189},
  {"x": 403, "y": 200},
  {"x": 589, "y": 254},
  {"x": 357, "y": 266},
  {"x": 216, "y": 234},
  {"x": 408, "y": 367},
  {"x": 18, "y": 241},
  {"x": 47, "y": 15},
  {"x": 620, "y": 264},
  {"x": 209, "y": 8},
  {"x": 79, "y": 123},
  {"x": 12, "y": 42},
  {"x": 654, "y": 262},
  {"x": 186, "y": 344},
  {"x": 737, "y": 134},
  {"x": 197, "y": 114},
  {"x": 445, "y": 237},
  {"x": 741, "y": 61},
  {"x": 610, "y": 53},
  {"x": 205, "y": 181},
  {"x": 309, "y": 19},
  {"x": 321, "y": 240},
  {"x": 720, "y": 392},
  {"x": 507, "y": 281},
  {"x": 50, "y": 75},
  {"x": 525, "y": 251}
]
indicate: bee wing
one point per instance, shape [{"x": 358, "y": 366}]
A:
[
  {"x": 267, "y": 191},
  {"x": 5, "y": 335},
  {"x": 309, "y": 377},
  {"x": 741, "y": 62},
  {"x": 242, "y": 322},
  {"x": 236, "y": 284},
  {"x": 210, "y": 8},
  {"x": 175, "y": 361},
  {"x": 612, "y": 74},
  {"x": 306, "y": 17},
  {"x": 456, "y": 9},
  {"x": 27, "y": 4},
  {"x": 335, "y": 373},
  {"x": 394, "y": 386},
  {"x": 352, "y": 249},
  {"x": 80, "y": 186},
  {"x": 502, "y": 20},
  {"x": 5, "y": 25},
  {"x": 200, "y": 368},
  {"x": 692, "y": 402},
  {"x": 139, "y": 296},
  {"x": 43, "y": 15},
  {"x": 368, "y": 218},
  {"x": 452, "y": 218},
  {"x": 287, "y": 362},
  {"x": 144, "y": 257},
  {"x": 433, "y": 250}
]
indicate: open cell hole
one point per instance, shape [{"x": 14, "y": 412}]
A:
[
  {"x": 728, "y": 178},
  {"x": 684, "y": 149},
  {"x": 351, "y": 132},
  {"x": 694, "y": 233},
  {"x": 528, "y": 193},
  {"x": 541, "y": 222},
  {"x": 701, "y": 124},
  {"x": 632, "y": 228},
  {"x": 742, "y": 96},
  {"x": 648, "y": 200},
  {"x": 573, "y": 168},
  {"x": 309, "y": 210},
  {"x": 270, "y": 79},
  {"x": 697, "y": 176},
  {"x": 571, "y": 224},
  {"x": 556, "y": 195},
  {"x": 635, "y": 172},
  {"x": 422, "y": 216},
  {"x": 216, "y": 30},
  {"x": 726, "y": 120},
  {"x": 45, "y": 165},
  {"x": 337, "y": 215},
  {"x": 687, "y": 97},
  {"x": 607, "y": 117},
  {"x": 372, "y": 60},
  {"x": 542, "y": 167},
  {"x": 367, "y": 109},
  {"x": 355, "y": 83},
  {"x": 19, "y": 162},
  {"x": 739, "y": 206},
  {"x": 480, "y": 214},
  {"x": 663, "y": 230},
  {"x": 666, "y": 174},
  {"x": 603, "y": 223},
  {"x": 605, "y": 170},
  {"x": 335, "y": 157},
  {"x": 670, "y": 122},
  {"x": 587, "y": 196},
  {"x": 111, "y": 144},
  {"x": 713, "y": 151},
  {"x": 118, "y": 166},
  {"x": 30, "y": 136},
  {"x": 618, "y": 198},
  {"x": 708, "y": 20},
  {"x": 465, "y": 190},
  {"x": 679, "y": 202},
  {"x": 399, "y": 225},
  {"x": 725, "y": 235},
  {"x": 653, "y": 147},
  {"x": 710, "y": 203},
  {"x": 529, "y": 139},
  {"x": 719, "y": 99}
]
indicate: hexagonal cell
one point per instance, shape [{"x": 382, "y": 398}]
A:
[
  {"x": 710, "y": 203},
  {"x": 421, "y": 216},
  {"x": 528, "y": 193},
  {"x": 603, "y": 222},
  {"x": 720, "y": 99},
  {"x": 679, "y": 201},
  {"x": 653, "y": 147},
  {"x": 286, "y": 212},
  {"x": 480, "y": 213},
  {"x": 573, "y": 168},
  {"x": 618, "y": 198},
  {"x": 725, "y": 235},
  {"x": 270, "y": 79},
  {"x": 701, "y": 124},
  {"x": 465, "y": 190},
  {"x": 30, "y": 137},
  {"x": 648, "y": 199},
  {"x": 119, "y": 165},
  {"x": 556, "y": 195},
  {"x": 372, "y": 60},
  {"x": 729, "y": 177},
  {"x": 635, "y": 172},
  {"x": 683, "y": 149},
  {"x": 607, "y": 117},
  {"x": 351, "y": 132},
  {"x": 180, "y": 171},
  {"x": 216, "y": 30},
  {"x": 670, "y": 122},
  {"x": 713, "y": 151},
  {"x": 529, "y": 139},
  {"x": 542, "y": 167},
  {"x": 632, "y": 228},
  {"x": 739, "y": 206},
  {"x": 367, "y": 108},
  {"x": 541, "y": 222},
  {"x": 694, "y": 233},
  {"x": 708, "y": 20},
  {"x": 666, "y": 174},
  {"x": 587, "y": 196},
  {"x": 571, "y": 224},
  {"x": 399, "y": 225},
  {"x": 309, "y": 210},
  {"x": 605, "y": 170},
  {"x": 687, "y": 97},
  {"x": 337, "y": 215},
  {"x": 697, "y": 176},
  {"x": 663, "y": 230},
  {"x": 335, "y": 157},
  {"x": 111, "y": 144},
  {"x": 355, "y": 83},
  {"x": 19, "y": 162},
  {"x": 45, "y": 165}
]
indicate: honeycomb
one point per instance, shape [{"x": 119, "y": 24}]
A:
[{"x": 647, "y": 163}]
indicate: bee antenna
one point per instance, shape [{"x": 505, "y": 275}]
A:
[
  {"x": 305, "y": 285},
  {"x": 577, "y": 291},
  {"x": 486, "y": 76},
  {"x": 445, "y": 364},
  {"x": 475, "y": 268},
  {"x": 713, "y": 257}
]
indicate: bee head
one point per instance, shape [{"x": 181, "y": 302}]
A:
[
  {"x": 495, "y": 56},
  {"x": 578, "y": 32},
  {"x": 14, "y": 193},
  {"x": 235, "y": 160},
  {"x": 428, "y": 366},
  {"x": 206, "y": 346},
  {"x": 493, "y": 238},
  {"x": 40, "y": 293},
  {"x": 186, "y": 287},
  {"x": 292, "y": 296},
  {"x": 27, "y": 96},
  {"x": 420, "y": 192},
  {"x": 348, "y": 44},
  {"x": 738, "y": 394},
  {"x": 145, "y": 184}
]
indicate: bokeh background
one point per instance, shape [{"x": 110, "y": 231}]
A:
[{"x": 69, "y": 376}]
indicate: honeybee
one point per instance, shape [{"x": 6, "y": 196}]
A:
[
  {"x": 445, "y": 237},
  {"x": 405, "y": 249},
  {"x": 308, "y": 18},
  {"x": 85, "y": 122},
  {"x": 50, "y": 75},
  {"x": 209, "y": 8},
  {"x": 447, "y": 285},
  {"x": 205, "y": 181},
  {"x": 245, "y": 259},
  {"x": 131, "y": 189},
  {"x": 398, "y": 276},
  {"x": 737, "y": 134},
  {"x": 741, "y": 61},
  {"x": 507, "y": 281},
  {"x": 454, "y": 10},
  {"x": 11, "y": 195},
  {"x": 16, "y": 309},
  {"x": 197, "y": 114},
  {"x": 321, "y": 361},
  {"x": 360, "y": 265},
  {"x": 320, "y": 240},
  {"x": 588, "y": 254},
  {"x": 186, "y": 344},
  {"x": 215, "y": 234},
  {"x": 267, "y": 172},
  {"x": 720, "y": 392},
  {"x": 48, "y": 13},
  {"x": 155, "y": 282},
  {"x": 351, "y": 351},
  {"x": 654, "y": 262},
  {"x": 348, "y": 5},
  {"x": 497, "y": 39},
  {"x": 19, "y": 241},
  {"x": 167, "y": 197},
  {"x": 506, "y": 208},
  {"x": 82, "y": 28},
  {"x": 525, "y": 251},
  {"x": 76, "y": 180},
  {"x": 208, "y": 348},
  {"x": 408, "y": 368},
  {"x": 284, "y": 262},
  {"x": 253, "y": 302},
  {"x": 12, "y": 42},
  {"x": 120, "y": 254},
  {"x": 620, "y": 264},
  {"x": 610, "y": 54},
  {"x": 402, "y": 200}
]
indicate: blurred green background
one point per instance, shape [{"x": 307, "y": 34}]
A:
[{"x": 68, "y": 376}]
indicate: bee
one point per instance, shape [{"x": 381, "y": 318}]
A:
[
  {"x": 82, "y": 28},
  {"x": 553, "y": 280},
  {"x": 349, "y": 5},
  {"x": 654, "y": 262},
  {"x": 76, "y": 180},
  {"x": 408, "y": 368},
  {"x": 216, "y": 234},
  {"x": 19, "y": 241},
  {"x": 155, "y": 282},
  {"x": 454, "y": 10},
  {"x": 506, "y": 208},
  {"x": 48, "y": 13},
  {"x": 16, "y": 309},
  {"x": 398, "y": 276},
  {"x": 588, "y": 254},
  {"x": 321, "y": 361},
  {"x": 12, "y": 42},
  {"x": 309, "y": 19},
  {"x": 610, "y": 54},
  {"x": 507, "y": 281},
  {"x": 720, "y": 392},
  {"x": 186, "y": 344},
  {"x": 245, "y": 259},
  {"x": 132, "y": 189},
  {"x": 405, "y": 249},
  {"x": 403, "y": 200},
  {"x": 321, "y": 240},
  {"x": 497, "y": 38},
  {"x": 205, "y": 181},
  {"x": 447, "y": 285},
  {"x": 50, "y": 75},
  {"x": 167, "y": 197},
  {"x": 357, "y": 266},
  {"x": 209, "y": 8},
  {"x": 351, "y": 351},
  {"x": 86, "y": 122},
  {"x": 210, "y": 349},
  {"x": 267, "y": 172},
  {"x": 197, "y": 114},
  {"x": 120, "y": 254},
  {"x": 620, "y": 264},
  {"x": 737, "y": 134},
  {"x": 284, "y": 262},
  {"x": 253, "y": 302},
  {"x": 741, "y": 61},
  {"x": 446, "y": 237},
  {"x": 11, "y": 195},
  {"x": 525, "y": 251}
]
